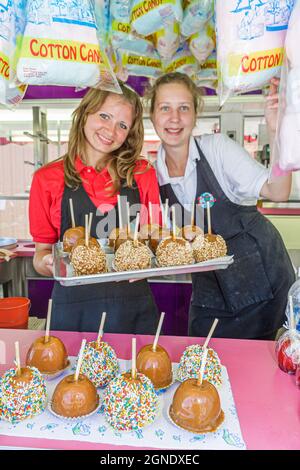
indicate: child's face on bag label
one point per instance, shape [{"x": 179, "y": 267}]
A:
[
  {"x": 108, "y": 128},
  {"x": 174, "y": 114}
]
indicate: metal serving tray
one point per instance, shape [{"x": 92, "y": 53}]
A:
[{"x": 63, "y": 269}]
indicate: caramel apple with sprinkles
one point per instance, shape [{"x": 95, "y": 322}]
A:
[
  {"x": 47, "y": 353},
  {"x": 88, "y": 259},
  {"x": 22, "y": 391},
  {"x": 191, "y": 360},
  {"x": 130, "y": 401},
  {"x": 174, "y": 251},
  {"x": 100, "y": 363},
  {"x": 211, "y": 246},
  {"x": 75, "y": 395},
  {"x": 154, "y": 361},
  {"x": 132, "y": 255}
]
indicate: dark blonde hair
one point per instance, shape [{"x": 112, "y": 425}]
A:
[
  {"x": 120, "y": 163},
  {"x": 175, "y": 77}
]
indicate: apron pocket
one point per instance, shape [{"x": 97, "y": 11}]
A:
[{"x": 243, "y": 283}]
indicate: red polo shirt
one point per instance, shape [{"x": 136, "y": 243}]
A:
[{"x": 48, "y": 186}]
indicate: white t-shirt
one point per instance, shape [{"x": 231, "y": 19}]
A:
[{"x": 239, "y": 175}]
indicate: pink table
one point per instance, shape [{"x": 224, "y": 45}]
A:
[{"x": 267, "y": 399}]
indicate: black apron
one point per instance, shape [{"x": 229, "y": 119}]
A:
[
  {"x": 250, "y": 296},
  {"x": 130, "y": 307}
]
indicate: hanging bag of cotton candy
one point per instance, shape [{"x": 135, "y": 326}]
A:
[
  {"x": 207, "y": 75},
  {"x": 203, "y": 42},
  {"x": 167, "y": 40},
  {"x": 287, "y": 142},
  {"x": 250, "y": 40},
  {"x": 195, "y": 15},
  {"x": 183, "y": 61},
  {"x": 60, "y": 46},
  {"x": 102, "y": 17},
  {"x": 139, "y": 58},
  {"x": 11, "y": 93},
  {"x": 149, "y": 16},
  {"x": 119, "y": 23}
]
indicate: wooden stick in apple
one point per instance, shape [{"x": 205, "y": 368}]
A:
[
  {"x": 162, "y": 316},
  {"x": 120, "y": 212},
  {"x": 80, "y": 358},
  {"x": 72, "y": 212},
  {"x": 202, "y": 368},
  {"x": 136, "y": 229},
  {"x": 173, "y": 223},
  {"x": 100, "y": 333},
  {"x": 17, "y": 358},
  {"x": 133, "y": 356},
  {"x": 48, "y": 322},
  {"x": 211, "y": 331},
  {"x": 208, "y": 218}
]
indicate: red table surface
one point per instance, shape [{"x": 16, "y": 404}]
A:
[{"x": 266, "y": 398}]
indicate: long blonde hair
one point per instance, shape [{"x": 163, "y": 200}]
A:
[{"x": 120, "y": 163}]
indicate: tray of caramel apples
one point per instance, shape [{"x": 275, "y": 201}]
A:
[{"x": 152, "y": 251}]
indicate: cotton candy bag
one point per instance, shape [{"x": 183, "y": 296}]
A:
[
  {"x": 288, "y": 139},
  {"x": 207, "y": 75},
  {"x": 138, "y": 58},
  {"x": 10, "y": 93},
  {"x": 196, "y": 14},
  {"x": 60, "y": 47},
  {"x": 203, "y": 43},
  {"x": 183, "y": 61},
  {"x": 149, "y": 16},
  {"x": 250, "y": 40}
]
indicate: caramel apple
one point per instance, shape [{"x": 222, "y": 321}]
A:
[
  {"x": 147, "y": 230},
  {"x": 157, "y": 236},
  {"x": 71, "y": 236},
  {"x": 23, "y": 394},
  {"x": 48, "y": 357},
  {"x": 74, "y": 398},
  {"x": 81, "y": 242},
  {"x": 117, "y": 233},
  {"x": 196, "y": 408},
  {"x": 130, "y": 403},
  {"x": 122, "y": 239},
  {"x": 131, "y": 256},
  {"x": 174, "y": 252},
  {"x": 210, "y": 247},
  {"x": 156, "y": 365},
  {"x": 89, "y": 259},
  {"x": 189, "y": 232}
]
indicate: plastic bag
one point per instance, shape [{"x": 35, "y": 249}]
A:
[
  {"x": 203, "y": 43},
  {"x": 195, "y": 16},
  {"x": 250, "y": 40},
  {"x": 102, "y": 14},
  {"x": 287, "y": 351},
  {"x": 10, "y": 93},
  {"x": 140, "y": 59},
  {"x": 60, "y": 47},
  {"x": 183, "y": 61},
  {"x": 167, "y": 40},
  {"x": 149, "y": 16},
  {"x": 207, "y": 75},
  {"x": 286, "y": 154}
]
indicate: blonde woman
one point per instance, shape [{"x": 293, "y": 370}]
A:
[
  {"x": 103, "y": 161},
  {"x": 250, "y": 296}
]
